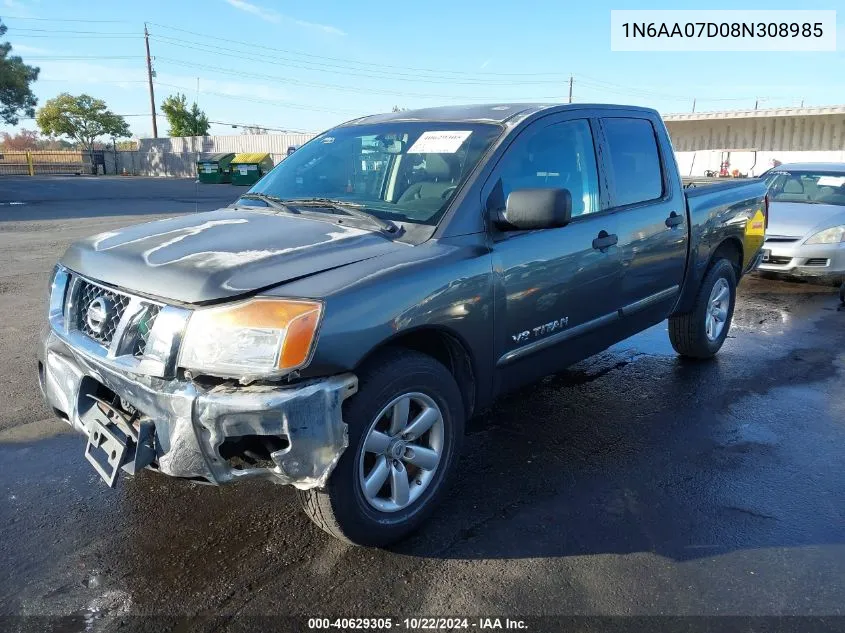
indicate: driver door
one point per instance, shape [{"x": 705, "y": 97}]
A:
[{"x": 556, "y": 289}]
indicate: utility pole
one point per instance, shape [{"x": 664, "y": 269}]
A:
[
  {"x": 570, "y": 88},
  {"x": 693, "y": 104},
  {"x": 150, "y": 80}
]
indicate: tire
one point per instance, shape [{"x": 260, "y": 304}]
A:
[
  {"x": 688, "y": 332},
  {"x": 842, "y": 292},
  {"x": 341, "y": 508}
]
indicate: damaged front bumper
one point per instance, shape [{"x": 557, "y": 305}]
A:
[{"x": 195, "y": 432}]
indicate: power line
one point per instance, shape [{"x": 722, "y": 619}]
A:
[
  {"x": 17, "y": 29},
  {"x": 253, "y": 46},
  {"x": 79, "y": 37},
  {"x": 263, "y": 127},
  {"x": 279, "y": 103},
  {"x": 32, "y": 118},
  {"x": 78, "y": 58},
  {"x": 349, "y": 71},
  {"x": 299, "y": 82},
  {"x": 18, "y": 17}
]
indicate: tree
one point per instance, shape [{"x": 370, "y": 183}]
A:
[
  {"x": 184, "y": 121},
  {"x": 54, "y": 144},
  {"x": 82, "y": 118},
  {"x": 23, "y": 140},
  {"x": 16, "y": 96}
]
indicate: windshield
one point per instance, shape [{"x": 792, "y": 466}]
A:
[
  {"x": 807, "y": 187},
  {"x": 405, "y": 171}
]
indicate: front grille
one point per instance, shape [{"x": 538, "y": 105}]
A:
[
  {"x": 817, "y": 261},
  {"x": 143, "y": 329},
  {"x": 778, "y": 260},
  {"x": 115, "y": 304},
  {"x": 781, "y": 240},
  {"x": 131, "y": 316}
]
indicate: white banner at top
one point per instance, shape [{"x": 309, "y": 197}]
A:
[{"x": 729, "y": 30}]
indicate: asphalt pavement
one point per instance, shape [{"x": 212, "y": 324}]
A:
[{"x": 634, "y": 483}]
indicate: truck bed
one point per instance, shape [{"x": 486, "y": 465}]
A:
[{"x": 693, "y": 182}]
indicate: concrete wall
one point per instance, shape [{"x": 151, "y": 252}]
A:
[
  {"x": 178, "y": 156},
  {"x": 784, "y": 133}
]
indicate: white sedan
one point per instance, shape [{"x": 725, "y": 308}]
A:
[{"x": 806, "y": 232}]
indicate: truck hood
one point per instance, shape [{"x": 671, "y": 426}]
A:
[
  {"x": 210, "y": 256},
  {"x": 796, "y": 219}
]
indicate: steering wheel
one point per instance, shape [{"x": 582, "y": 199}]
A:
[{"x": 448, "y": 191}]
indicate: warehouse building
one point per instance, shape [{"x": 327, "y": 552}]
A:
[{"x": 750, "y": 141}]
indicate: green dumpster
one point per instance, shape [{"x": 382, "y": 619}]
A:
[
  {"x": 215, "y": 169},
  {"x": 248, "y": 168}
]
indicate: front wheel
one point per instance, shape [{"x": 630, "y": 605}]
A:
[
  {"x": 701, "y": 332},
  {"x": 405, "y": 424}
]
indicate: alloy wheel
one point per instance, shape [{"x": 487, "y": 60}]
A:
[{"x": 401, "y": 452}]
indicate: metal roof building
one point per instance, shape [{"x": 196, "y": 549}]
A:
[{"x": 754, "y": 138}]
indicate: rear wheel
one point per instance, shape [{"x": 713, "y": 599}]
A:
[
  {"x": 701, "y": 332},
  {"x": 405, "y": 428}
]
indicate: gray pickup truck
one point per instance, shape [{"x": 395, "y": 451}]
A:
[{"x": 335, "y": 327}]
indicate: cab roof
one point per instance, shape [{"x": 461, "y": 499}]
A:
[
  {"x": 482, "y": 113},
  {"x": 834, "y": 167}
]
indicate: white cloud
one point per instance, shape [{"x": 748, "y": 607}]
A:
[
  {"x": 325, "y": 28},
  {"x": 264, "y": 14},
  {"x": 19, "y": 8},
  {"x": 268, "y": 15},
  {"x": 34, "y": 50},
  {"x": 81, "y": 72},
  {"x": 188, "y": 85}
]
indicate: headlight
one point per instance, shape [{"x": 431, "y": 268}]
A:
[
  {"x": 828, "y": 236},
  {"x": 58, "y": 289},
  {"x": 253, "y": 339}
]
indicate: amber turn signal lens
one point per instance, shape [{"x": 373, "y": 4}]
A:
[{"x": 299, "y": 339}]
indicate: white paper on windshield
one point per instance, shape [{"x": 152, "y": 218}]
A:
[
  {"x": 831, "y": 181},
  {"x": 446, "y": 142}
]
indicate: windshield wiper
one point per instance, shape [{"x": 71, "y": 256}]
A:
[
  {"x": 350, "y": 208},
  {"x": 270, "y": 201}
]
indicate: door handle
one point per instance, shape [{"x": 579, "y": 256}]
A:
[
  {"x": 674, "y": 220},
  {"x": 605, "y": 241}
]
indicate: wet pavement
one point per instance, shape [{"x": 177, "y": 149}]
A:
[{"x": 633, "y": 483}]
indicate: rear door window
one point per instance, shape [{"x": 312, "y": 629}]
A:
[{"x": 634, "y": 159}]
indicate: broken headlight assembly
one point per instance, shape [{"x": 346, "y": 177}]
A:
[
  {"x": 58, "y": 288},
  {"x": 259, "y": 338}
]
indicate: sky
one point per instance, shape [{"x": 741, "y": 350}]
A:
[{"x": 307, "y": 66}]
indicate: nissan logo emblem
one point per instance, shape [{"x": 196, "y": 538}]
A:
[{"x": 98, "y": 314}]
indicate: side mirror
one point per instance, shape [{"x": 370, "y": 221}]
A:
[{"x": 529, "y": 209}]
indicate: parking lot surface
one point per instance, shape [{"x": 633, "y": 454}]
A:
[{"x": 634, "y": 483}]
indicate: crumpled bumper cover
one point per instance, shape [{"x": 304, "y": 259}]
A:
[{"x": 191, "y": 423}]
